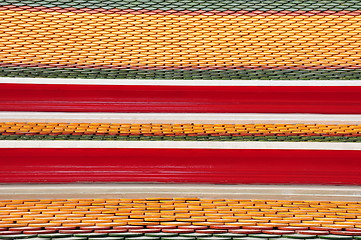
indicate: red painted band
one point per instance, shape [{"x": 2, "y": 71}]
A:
[
  {"x": 180, "y": 99},
  {"x": 181, "y": 165}
]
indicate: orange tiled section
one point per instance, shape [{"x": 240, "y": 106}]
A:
[
  {"x": 179, "y": 212},
  {"x": 171, "y": 41},
  {"x": 178, "y": 129}
]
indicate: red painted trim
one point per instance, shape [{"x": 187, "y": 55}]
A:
[
  {"x": 181, "y": 165},
  {"x": 203, "y": 99}
]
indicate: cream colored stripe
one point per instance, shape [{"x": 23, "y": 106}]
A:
[
  {"x": 153, "y": 190},
  {"x": 181, "y": 145},
  {"x": 181, "y": 118},
  {"x": 155, "y": 82}
]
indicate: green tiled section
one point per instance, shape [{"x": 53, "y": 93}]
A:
[
  {"x": 320, "y": 74},
  {"x": 193, "y": 5},
  {"x": 184, "y": 138},
  {"x": 230, "y": 236}
]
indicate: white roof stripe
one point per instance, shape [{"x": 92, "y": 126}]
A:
[
  {"x": 181, "y": 145},
  {"x": 156, "y": 82},
  {"x": 178, "y": 118}
]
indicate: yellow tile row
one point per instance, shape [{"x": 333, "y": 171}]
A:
[
  {"x": 104, "y": 128},
  {"x": 170, "y": 40},
  {"x": 178, "y": 212}
]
